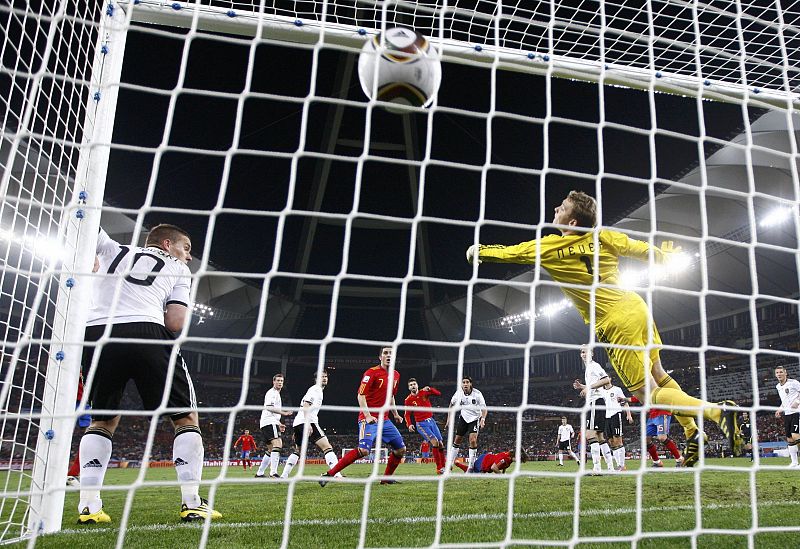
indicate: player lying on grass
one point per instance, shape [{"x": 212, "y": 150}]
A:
[{"x": 493, "y": 463}]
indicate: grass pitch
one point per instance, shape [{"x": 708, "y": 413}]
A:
[{"x": 474, "y": 509}]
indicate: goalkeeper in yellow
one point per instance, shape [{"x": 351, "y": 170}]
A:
[{"x": 621, "y": 317}]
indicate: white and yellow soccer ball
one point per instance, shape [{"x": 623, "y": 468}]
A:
[{"x": 407, "y": 68}]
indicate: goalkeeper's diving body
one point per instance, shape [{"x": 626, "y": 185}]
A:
[{"x": 621, "y": 317}]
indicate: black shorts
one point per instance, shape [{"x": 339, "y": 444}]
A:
[
  {"x": 596, "y": 416},
  {"x": 464, "y": 427},
  {"x": 315, "y": 433},
  {"x": 564, "y": 445},
  {"x": 147, "y": 364},
  {"x": 271, "y": 431},
  {"x": 613, "y": 426},
  {"x": 791, "y": 424}
]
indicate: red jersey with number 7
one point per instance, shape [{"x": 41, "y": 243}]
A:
[{"x": 373, "y": 386}]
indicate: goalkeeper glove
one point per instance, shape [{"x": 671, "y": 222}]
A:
[
  {"x": 668, "y": 247},
  {"x": 473, "y": 254}
]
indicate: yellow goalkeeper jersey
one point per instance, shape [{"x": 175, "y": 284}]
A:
[{"x": 570, "y": 259}]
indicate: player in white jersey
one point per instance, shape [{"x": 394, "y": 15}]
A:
[
  {"x": 564, "y": 441},
  {"x": 595, "y": 379},
  {"x": 306, "y": 426},
  {"x": 615, "y": 400},
  {"x": 272, "y": 427},
  {"x": 143, "y": 294},
  {"x": 470, "y": 403},
  {"x": 789, "y": 391}
]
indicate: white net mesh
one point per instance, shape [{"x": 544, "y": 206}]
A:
[{"x": 326, "y": 227}]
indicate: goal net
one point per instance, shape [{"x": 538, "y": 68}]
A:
[{"x": 325, "y": 227}]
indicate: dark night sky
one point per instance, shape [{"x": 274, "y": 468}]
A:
[{"x": 259, "y": 182}]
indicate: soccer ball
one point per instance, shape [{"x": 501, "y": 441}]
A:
[{"x": 407, "y": 68}]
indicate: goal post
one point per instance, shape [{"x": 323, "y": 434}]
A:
[{"x": 54, "y": 175}]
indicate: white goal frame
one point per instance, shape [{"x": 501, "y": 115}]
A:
[{"x": 80, "y": 214}]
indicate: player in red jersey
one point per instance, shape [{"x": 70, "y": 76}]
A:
[
  {"x": 492, "y": 463},
  {"x": 248, "y": 445},
  {"x": 423, "y": 422},
  {"x": 377, "y": 389},
  {"x": 658, "y": 423}
]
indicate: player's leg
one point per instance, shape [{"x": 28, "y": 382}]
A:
[
  {"x": 366, "y": 440},
  {"x": 187, "y": 447},
  {"x": 669, "y": 444},
  {"x": 460, "y": 432},
  {"x": 664, "y": 380},
  {"x": 632, "y": 325},
  {"x": 430, "y": 432},
  {"x": 561, "y": 453},
  {"x": 95, "y": 452},
  {"x": 271, "y": 435},
  {"x": 298, "y": 433},
  {"x": 791, "y": 424},
  {"x": 392, "y": 439},
  {"x": 592, "y": 438},
  {"x": 275, "y": 455},
  {"x": 328, "y": 453},
  {"x": 243, "y": 459},
  {"x": 473, "y": 445},
  {"x": 105, "y": 385}
]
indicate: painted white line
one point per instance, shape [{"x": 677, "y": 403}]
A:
[{"x": 417, "y": 520}]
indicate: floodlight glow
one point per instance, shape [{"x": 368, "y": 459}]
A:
[
  {"x": 776, "y": 216},
  {"x": 548, "y": 311},
  {"x": 43, "y": 247}
]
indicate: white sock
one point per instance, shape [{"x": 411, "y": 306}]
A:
[
  {"x": 606, "y": 449},
  {"x": 792, "y": 454},
  {"x": 573, "y": 455},
  {"x": 594, "y": 448},
  {"x": 274, "y": 461},
  {"x": 187, "y": 455},
  {"x": 619, "y": 455},
  {"x": 264, "y": 464},
  {"x": 473, "y": 452},
  {"x": 290, "y": 463},
  {"x": 95, "y": 451},
  {"x": 332, "y": 460},
  {"x": 560, "y": 458},
  {"x": 451, "y": 458}
]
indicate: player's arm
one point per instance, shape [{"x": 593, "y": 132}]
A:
[
  {"x": 796, "y": 402},
  {"x": 408, "y": 413},
  {"x": 362, "y": 403},
  {"x": 432, "y": 391},
  {"x": 627, "y": 408},
  {"x": 451, "y": 412},
  {"x": 484, "y": 411},
  {"x": 639, "y": 249},
  {"x": 175, "y": 316},
  {"x": 238, "y": 440},
  {"x": 177, "y": 305},
  {"x": 397, "y": 417},
  {"x": 522, "y": 253}
]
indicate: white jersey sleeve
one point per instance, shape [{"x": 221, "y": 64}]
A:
[
  {"x": 790, "y": 395},
  {"x": 136, "y": 284}
]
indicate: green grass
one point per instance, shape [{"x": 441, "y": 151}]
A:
[{"x": 474, "y": 510}]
